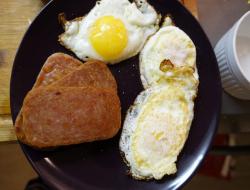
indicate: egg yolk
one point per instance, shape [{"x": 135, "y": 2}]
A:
[{"x": 108, "y": 36}]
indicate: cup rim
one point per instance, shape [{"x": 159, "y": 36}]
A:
[{"x": 234, "y": 45}]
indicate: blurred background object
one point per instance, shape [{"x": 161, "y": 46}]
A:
[{"x": 232, "y": 52}]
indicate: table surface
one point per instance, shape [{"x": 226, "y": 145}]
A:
[
  {"x": 216, "y": 17},
  {"x": 15, "y": 16}
]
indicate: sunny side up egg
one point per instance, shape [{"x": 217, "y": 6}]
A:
[{"x": 114, "y": 30}]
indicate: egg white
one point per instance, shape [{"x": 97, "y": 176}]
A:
[
  {"x": 139, "y": 18},
  {"x": 172, "y": 44},
  {"x": 155, "y": 130},
  {"x": 157, "y": 125}
]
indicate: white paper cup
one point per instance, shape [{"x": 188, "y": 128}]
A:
[{"x": 233, "y": 56}]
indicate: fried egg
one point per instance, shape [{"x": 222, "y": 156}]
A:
[
  {"x": 114, "y": 30},
  {"x": 155, "y": 130},
  {"x": 168, "y": 55},
  {"x": 157, "y": 125}
]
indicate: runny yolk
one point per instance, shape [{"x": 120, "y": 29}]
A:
[{"x": 108, "y": 36}]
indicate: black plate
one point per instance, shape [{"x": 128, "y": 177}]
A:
[{"x": 99, "y": 165}]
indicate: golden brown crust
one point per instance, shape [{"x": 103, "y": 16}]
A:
[{"x": 56, "y": 116}]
